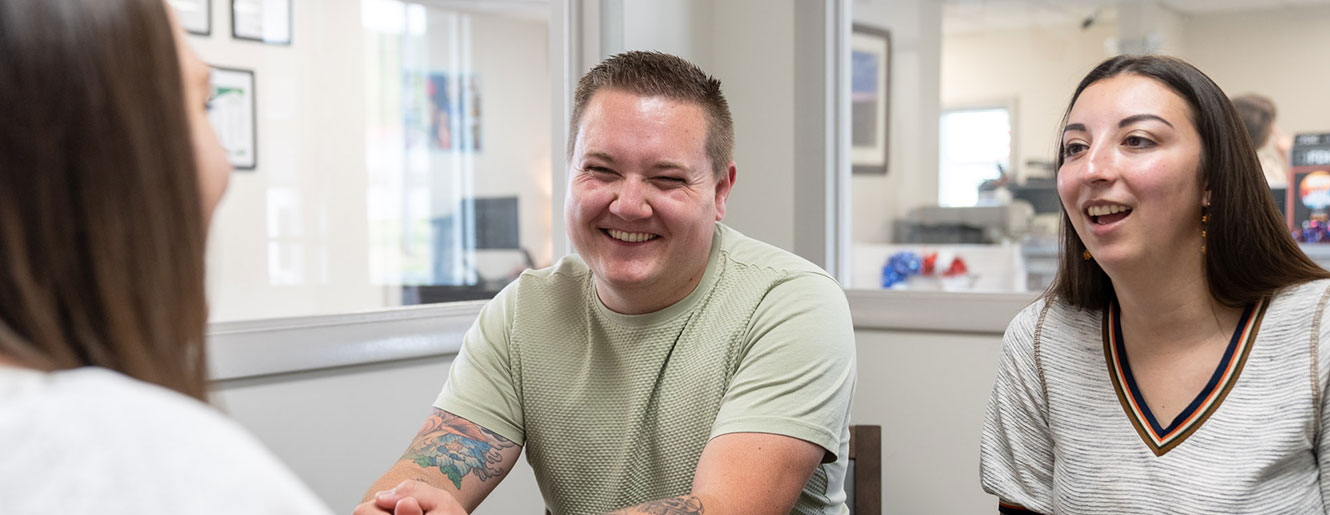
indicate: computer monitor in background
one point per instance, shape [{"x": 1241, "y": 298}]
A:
[
  {"x": 494, "y": 223},
  {"x": 1281, "y": 200},
  {"x": 1044, "y": 197}
]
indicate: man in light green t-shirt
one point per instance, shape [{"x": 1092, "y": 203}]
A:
[{"x": 673, "y": 365}]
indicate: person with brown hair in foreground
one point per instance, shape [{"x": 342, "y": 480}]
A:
[{"x": 109, "y": 174}]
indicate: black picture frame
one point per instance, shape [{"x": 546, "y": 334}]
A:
[
  {"x": 245, "y": 116},
  {"x": 240, "y": 21},
  {"x": 197, "y": 21},
  {"x": 870, "y": 99}
]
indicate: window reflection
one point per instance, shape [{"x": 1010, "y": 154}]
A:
[
  {"x": 403, "y": 157},
  {"x": 1027, "y": 56},
  {"x": 449, "y": 207}
]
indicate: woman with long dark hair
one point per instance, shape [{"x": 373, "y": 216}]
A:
[
  {"x": 109, "y": 174},
  {"x": 1180, "y": 359}
]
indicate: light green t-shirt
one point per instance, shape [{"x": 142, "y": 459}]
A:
[{"x": 614, "y": 410}]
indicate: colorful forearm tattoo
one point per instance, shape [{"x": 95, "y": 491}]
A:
[{"x": 458, "y": 447}]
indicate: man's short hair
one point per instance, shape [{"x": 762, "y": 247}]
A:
[{"x": 656, "y": 74}]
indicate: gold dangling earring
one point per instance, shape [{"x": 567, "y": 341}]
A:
[
  {"x": 1205, "y": 220},
  {"x": 1085, "y": 255}
]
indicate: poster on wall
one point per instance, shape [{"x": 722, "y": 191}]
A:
[
  {"x": 195, "y": 15},
  {"x": 231, "y": 111},
  {"x": 1309, "y": 188},
  {"x": 870, "y": 67},
  {"x": 442, "y": 111},
  {"x": 267, "y": 21}
]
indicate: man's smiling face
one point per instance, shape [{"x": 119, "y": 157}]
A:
[{"x": 643, "y": 199}]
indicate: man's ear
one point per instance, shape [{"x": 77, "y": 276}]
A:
[{"x": 723, "y": 187}]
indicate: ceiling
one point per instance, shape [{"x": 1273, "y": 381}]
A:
[
  {"x": 960, "y": 16},
  {"x": 533, "y": 10}
]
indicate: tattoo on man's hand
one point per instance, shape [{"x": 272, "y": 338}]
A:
[
  {"x": 682, "y": 505},
  {"x": 458, "y": 447}
]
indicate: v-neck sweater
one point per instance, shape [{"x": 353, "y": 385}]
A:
[{"x": 1066, "y": 430}]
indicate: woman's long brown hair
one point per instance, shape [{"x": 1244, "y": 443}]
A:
[
  {"x": 101, "y": 229},
  {"x": 1249, "y": 251}
]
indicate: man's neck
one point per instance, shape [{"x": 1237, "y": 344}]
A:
[{"x": 645, "y": 300}]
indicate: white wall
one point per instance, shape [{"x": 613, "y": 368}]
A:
[
  {"x": 753, "y": 56},
  {"x": 749, "y": 46},
  {"x": 1034, "y": 71},
  {"x": 679, "y": 27},
  {"x": 911, "y": 180},
  {"x": 303, "y": 209},
  {"x": 928, "y": 391},
  {"x": 1279, "y": 53},
  {"x": 340, "y": 429}
]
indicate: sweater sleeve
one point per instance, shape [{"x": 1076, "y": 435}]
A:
[{"x": 1016, "y": 446}]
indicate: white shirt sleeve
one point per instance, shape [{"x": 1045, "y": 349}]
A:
[{"x": 92, "y": 441}]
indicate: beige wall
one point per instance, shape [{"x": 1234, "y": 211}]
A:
[
  {"x": 1274, "y": 52},
  {"x": 1032, "y": 71},
  {"x": 1278, "y": 53}
]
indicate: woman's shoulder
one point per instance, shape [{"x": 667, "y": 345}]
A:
[
  {"x": 1302, "y": 295},
  {"x": 1049, "y": 312},
  {"x": 115, "y": 402},
  {"x": 126, "y": 443}
]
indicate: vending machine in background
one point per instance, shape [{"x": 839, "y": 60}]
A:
[{"x": 1308, "y": 199}]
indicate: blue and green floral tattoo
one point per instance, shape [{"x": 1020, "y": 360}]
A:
[{"x": 457, "y": 447}]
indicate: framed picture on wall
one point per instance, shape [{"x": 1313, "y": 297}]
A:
[
  {"x": 266, "y": 21},
  {"x": 195, "y": 15},
  {"x": 870, "y": 89},
  {"x": 231, "y": 111}
]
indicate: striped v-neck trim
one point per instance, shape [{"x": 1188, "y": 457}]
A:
[{"x": 1163, "y": 439}]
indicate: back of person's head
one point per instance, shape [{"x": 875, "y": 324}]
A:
[
  {"x": 1249, "y": 252},
  {"x": 656, "y": 74},
  {"x": 1258, "y": 116},
  {"x": 101, "y": 229}
]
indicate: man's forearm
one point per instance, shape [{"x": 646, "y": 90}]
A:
[
  {"x": 455, "y": 455},
  {"x": 681, "y": 505},
  {"x": 401, "y": 471}
]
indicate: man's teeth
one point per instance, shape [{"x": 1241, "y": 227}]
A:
[
  {"x": 1106, "y": 210},
  {"x": 631, "y": 237}
]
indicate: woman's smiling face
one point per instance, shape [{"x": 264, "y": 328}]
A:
[{"x": 1130, "y": 178}]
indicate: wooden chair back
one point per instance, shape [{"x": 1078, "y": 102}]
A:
[{"x": 865, "y": 485}]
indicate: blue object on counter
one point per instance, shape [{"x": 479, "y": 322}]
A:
[{"x": 900, "y": 266}]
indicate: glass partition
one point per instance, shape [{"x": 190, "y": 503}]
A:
[
  {"x": 403, "y": 157},
  {"x": 950, "y": 206}
]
